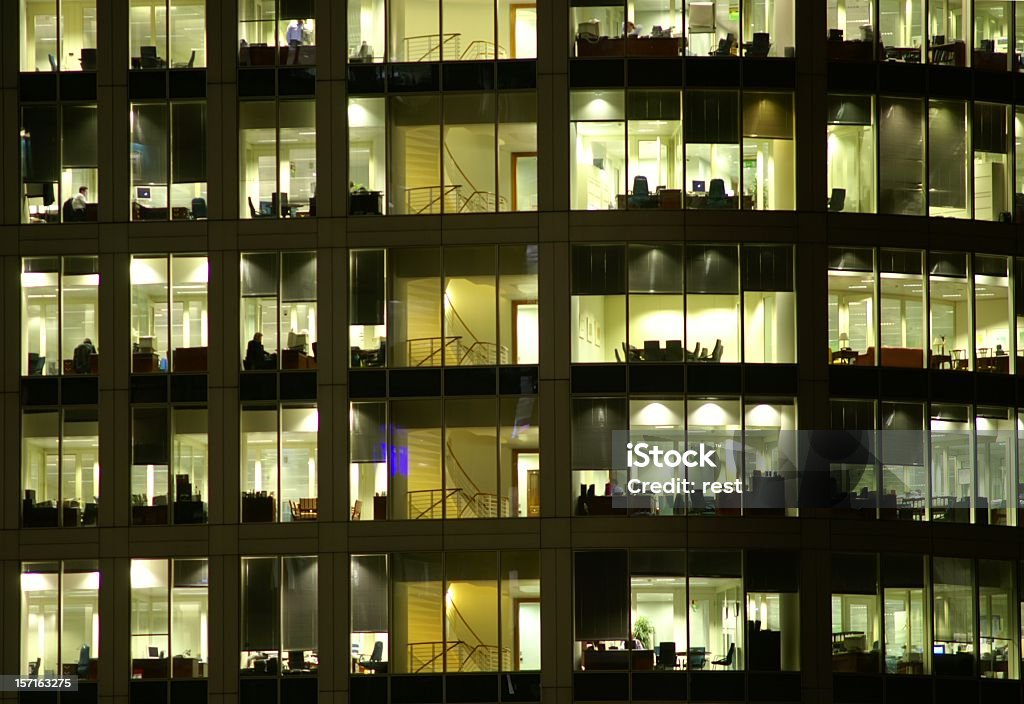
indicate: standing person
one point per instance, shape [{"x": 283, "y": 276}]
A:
[{"x": 82, "y": 355}]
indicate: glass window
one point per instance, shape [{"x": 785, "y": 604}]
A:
[
  {"x": 656, "y": 303},
  {"x": 712, "y": 131},
  {"x": 948, "y": 30},
  {"x": 769, "y": 151},
  {"x": 953, "y": 644},
  {"x": 470, "y": 460},
  {"x": 471, "y": 613},
  {"x": 469, "y": 298},
  {"x": 57, "y": 35},
  {"x": 853, "y": 476},
  {"x": 279, "y": 616},
  {"x": 601, "y": 623},
  {"x": 992, "y": 157},
  {"x": 279, "y": 461},
  {"x": 996, "y": 448},
  {"x": 416, "y": 459},
  {"x": 949, "y": 307},
  {"x": 59, "y": 308},
  {"x": 414, "y": 304},
  {"x": 167, "y": 33},
  {"x": 277, "y": 159},
  {"x": 367, "y": 156},
  {"x": 169, "y": 458},
  {"x": 367, "y": 308},
  {"x": 1018, "y": 26},
  {"x": 851, "y": 153},
  {"x": 716, "y": 618},
  {"x": 517, "y": 145},
  {"x": 901, "y": 24},
  {"x": 366, "y": 31},
  {"x": 952, "y": 463},
  {"x": 998, "y": 620},
  {"x": 518, "y": 312},
  {"x": 712, "y": 29},
  {"x": 901, "y": 139},
  {"x": 716, "y": 424},
  {"x": 851, "y": 306},
  {"x": 415, "y": 32},
  {"x": 769, "y": 473},
  {"x": 519, "y": 456},
  {"x": 60, "y": 468},
  {"x": 268, "y": 294},
  {"x": 768, "y": 28},
  {"x": 661, "y": 422},
  {"x": 992, "y": 35},
  {"x": 467, "y": 33},
  {"x": 168, "y": 161},
  {"x": 851, "y": 30},
  {"x": 265, "y": 25},
  {"x": 771, "y": 578},
  {"x": 948, "y": 167},
  {"x": 416, "y": 185},
  {"x": 418, "y": 634},
  {"x": 597, "y": 28},
  {"x": 992, "y": 313},
  {"x": 59, "y": 163},
  {"x": 769, "y": 305},
  {"x": 470, "y": 170},
  {"x": 170, "y": 614},
  {"x": 597, "y": 131},
  {"x": 658, "y": 612},
  {"x": 368, "y": 592},
  {"x": 595, "y": 424},
  {"x": 654, "y": 150},
  {"x": 902, "y": 452},
  {"x": 713, "y": 302},
  {"x": 520, "y": 625},
  {"x": 905, "y": 614},
  {"x": 517, "y": 31},
  {"x": 855, "y": 615},
  {"x": 368, "y": 457},
  {"x": 60, "y": 625},
  {"x": 1018, "y": 132},
  {"x": 902, "y": 311},
  {"x": 169, "y": 318},
  {"x": 598, "y": 315}
]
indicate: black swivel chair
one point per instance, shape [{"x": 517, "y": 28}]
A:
[
  {"x": 696, "y": 658},
  {"x": 726, "y": 662},
  {"x": 199, "y": 208},
  {"x": 88, "y": 59},
  {"x": 641, "y": 197},
  {"x": 837, "y": 201},
  {"x": 83, "y": 661},
  {"x": 717, "y": 197},
  {"x": 673, "y": 350},
  {"x": 652, "y": 351},
  {"x": 53, "y": 62},
  {"x": 33, "y": 668},
  {"x": 148, "y": 56},
  {"x": 761, "y": 45},
  {"x": 667, "y": 659},
  {"x": 716, "y": 353},
  {"x": 375, "y": 663}
]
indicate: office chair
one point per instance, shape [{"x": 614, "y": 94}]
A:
[
  {"x": 673, "y": 350},
  {"x": 640, "y": 187},
  {"x": 726, "y": 662},
  {"x": 716, "y": 194},
  {"x": 88, "y": 59},
  {"x": 716, "y": 354},
  {"x": 191, "y": 59},
  {"x": 618, "y": 357},
  {"x": 667, "y": 659},
  {"x": 761, "y": 45},
  {"x": 253, "y": 213},
  {"x": 296, "y": 660},
  {"x": 33, "y": 668},
  {"x": 375, "y": 662},
  {"x": 148, "y": 57},
  {"x": 652, "y": 351},
  {"x": 198, "y": 208},
  {"x": 53, "y": 62},
  {"x": 83, "y": 661},
  {"x": 837, "y": 201},
  {"x": 696, "y": 658},
  {"x": 691, "y": 356}
]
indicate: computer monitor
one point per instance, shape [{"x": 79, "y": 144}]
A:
[
  {"x": 938, "y": 649},
  {"x": 154, "y": 652},
  {"x": 142, "y": 193},
  {"x": 699, "y": 186},
  {"x": 297, "y": 341},
  {"x": 34, "y": 190}
]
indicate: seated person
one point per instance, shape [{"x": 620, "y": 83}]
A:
[
  {"x": 256, "y": 357},
  {"x": 80, "y": 360}
]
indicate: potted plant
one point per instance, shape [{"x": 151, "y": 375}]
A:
[{"x": 643, "y": 631}]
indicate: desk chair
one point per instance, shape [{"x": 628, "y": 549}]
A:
[
  {"x": 33, "y": 668},
  {"x": 716, "y": 194},
  {"x": 83, "y": 661},
  {"x": 296, "y": 660},
  {"x": 88, "y": 59},
  {"x": 724, "y": 46},
  {"x": 716, "y": 354},
  {"x": 652, "y": 351},
  {"x": 149, "y": 57},
  {"x": 761, "y": 45},
  {"x": 36, "y": 364},
  {"x": 641, "y": 197},
  {"x": 375, "y": 663},
  {"x": 696, "y": 658},
  {"x": 726, "y": 662},
  {"x": 357, "y": 510},
  {"x": 667, "y": 659},
  {"x": 199, "y": 208},
  {"x": 674, "y": 350},
  {"x": 253, "y": 213},
  {"x": 837, "y": 201},
  {"x": 692, "y": 356},
  {"x": 53, "y": 62}
]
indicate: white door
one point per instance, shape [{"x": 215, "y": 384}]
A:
[
  {"x": 526, "y": 333},
  {"x": 529, "y": 635},
  {"x": 524, "y": 19}
]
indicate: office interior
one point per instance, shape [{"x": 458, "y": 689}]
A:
[
  {"x": 278, "y": 614},
  {"x": 170, "y": 618},
  {"x": 265, "y": 25},
  {"x": 59, "y": 310},
  {"x": 277, "y": 159},
  {"x": 168, "y": 173},
  {"x": 59, "y": 156},
  {"x": 170, "y": 465},
  {"x": 170, "y": 314},
  {"x": 60, "y": 468},
  {"x": 57, "y": 35},
  {"x": 167, "y": 34},
  {"x": 281, "y": 284},
  {"x": 60, "y": 618},
  {"x": 279, "y": 470}
]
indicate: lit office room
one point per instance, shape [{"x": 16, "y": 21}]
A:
[
  {"x": 711, "y": 126},
  {"x": 948, "y": 164},
  {"x": 713, "y": 28},
  {"x": 851, "y": 29},
  {"x": 60, "y": 625},
  {"x": 59, "y": 158},
  {"x": 169, "y": 471},
  {"x": 855, "y": 613},
  {"x": 168, "y": 170},
  {"x": 654, "y": 151},
  {"x": 169, "y": 313},
  {"x": 167, "y": 34},
  {"x": 60, "y": 470},
  {"x": 170, "y": 618},
  {"x": 276, "y": 32},
  {"x": 900, "y": 24},
  {"x": 906, "y": 613},
  {"x": 59, "y": 303},
  {"x": 851, "y": 153},
  {"x": 993, "y": 189},
  {"x": 278, "y": 300},
  {"x": 950, "y": 311},
  {"x": 597, "y": 135},
  {"x": 287, "y": 642},
  {"x": 277, "y": 159},
  {"x": 769, "y": 165},
  {"x": 58, "y": 35},
  {"x": 952, "y": 463},
  {"x": 851, "y": 305},
  {"x": 279, "y": 464},
  {"x": 954, "y": 629}
]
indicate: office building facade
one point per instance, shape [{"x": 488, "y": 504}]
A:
[{"x": 334, "y": 319}]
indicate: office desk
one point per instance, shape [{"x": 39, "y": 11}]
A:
[
  {"x": 993, "y": 61},
  {"x": 380, "y": 508},
  {"x": 189, "y": 359},
  {"x": 257, "y": 509},
  {"x": 68, "y": 669},
  {"x": 850, "y": 50},
  {"x": 183, "y": 667},
  {"x": 844, "y": 356},
  {"x": 950, "y": 54},
  {"x": 666, "y": 198},
  {"x": 189, "y": 512},
  {"x": 94, "y": 365},
  {"x": 292, "y": 359},
  {"x": 701, "y": 201},
  {"x": 72, "y": 516},
  {"x": 149, "y": 668},
  {"x": 855, "y": 662},
  {"x": 145, "y": 362},
  {"x": 602, "y": 46},
  {"x": 653, "y": 46},
  {"x": 38, "y": 516},
  {"x": 999, "y": 364},
  {"x": 909, "y": 55},
  {"x": 618, "y": 659},
  {"x": 364, "y": 203},
  {"x": 149, "y": 515}
]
